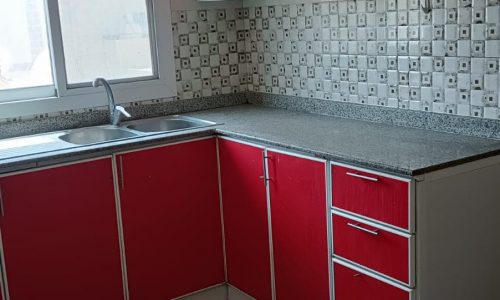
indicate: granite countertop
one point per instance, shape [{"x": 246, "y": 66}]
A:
[
  {"x": 396, "y": 150},
  {"x": 47, "y": 149}
]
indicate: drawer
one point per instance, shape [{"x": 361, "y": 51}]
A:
[
  {"x": 351, "y": 284},
  {"x": 388, "y": 253},
  {"x": 381, "y": 198}
]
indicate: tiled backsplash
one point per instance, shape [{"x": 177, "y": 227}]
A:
[
  {"x": 210, "y": 53},
  {"x": 380, "y": 52}
]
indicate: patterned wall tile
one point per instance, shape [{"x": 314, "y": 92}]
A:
[
  {"x": 210, "y": 52},
  {"x": 380, "y": 52}
]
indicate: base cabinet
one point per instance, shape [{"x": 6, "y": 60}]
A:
[
  {"x": 153, "y": 223},
  {"x": 245, "y": 218},
  {"x": 60, "y": 233},
  {"x": 171, "y": 219},
  {"x": 299, "y": 228},
  {"x": 295, "y": 196}
]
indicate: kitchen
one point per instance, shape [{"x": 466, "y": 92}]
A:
[{"x": 266, "y": 149}]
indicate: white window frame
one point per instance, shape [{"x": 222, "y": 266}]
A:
[{"x": 63, "y": 96}]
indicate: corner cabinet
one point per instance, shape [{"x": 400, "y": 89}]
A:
[
  {"x": 246, "y": 223},
  {"x": 275, "y": 209},
  {"x": 59, "y": 233},
  {"x": 171, "y": 219}
]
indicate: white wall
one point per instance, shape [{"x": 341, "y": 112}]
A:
[{"x": 194, "y": 4}]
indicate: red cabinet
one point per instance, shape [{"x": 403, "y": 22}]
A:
[
  {"x": 377, "y": 249},
  {"x": 171, "y": 219},
  {"x": 353, "y": 285},
  {"x": 377, "y": 197},
  {"x": 245, "y": 218},
  {"x": 60, "y": 233},
  {"x": 299, "y": 229}
]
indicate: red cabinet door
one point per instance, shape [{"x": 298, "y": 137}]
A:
[
  {"x": 299, "y": 232},
  {"x": 60, "y": 233},
  {"x": 377, "y": 249},
  {"x": 352, "y": 285},
  {"x": 171, "y": 219},
  {"x": 245, "y": 218},
  {"x": 377, "y": 197}
]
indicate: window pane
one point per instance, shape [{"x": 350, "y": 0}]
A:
[
  {"x": 24, "y": 51},
  {"x": 105, "y": 39}
]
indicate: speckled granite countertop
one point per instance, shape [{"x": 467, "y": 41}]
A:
[
  {"x": 48, "y": 149},
  {"x": 397, "y": 150}
]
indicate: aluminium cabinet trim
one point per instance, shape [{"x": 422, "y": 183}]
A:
[
  {"x": 221, "y": 209},
  {"x": 411, "y": 198},
  {"x": 35, "y": 169},
  {"x": 367, "y": 221},
  {"x": 366, "y": 272},
  {"x": 273, "y": 149},
  {"x": 269, "y": 225},
  {"x": 411, "y": 244},
  {"x": 297, "y": 155},
  {"x": 329, "y": 229},
  {"x": 166, "y": 144},
  {"x": 405, "y": 179},
  {"x": 119, "y": 219},
  {"x": 241, "y": 142}
]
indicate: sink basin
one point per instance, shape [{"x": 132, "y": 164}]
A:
[
  {"x": 96, "y": 135},
  {"x": 173, "y": 123}
]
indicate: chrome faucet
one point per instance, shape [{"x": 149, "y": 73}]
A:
[{"x": 115, "y": 111}]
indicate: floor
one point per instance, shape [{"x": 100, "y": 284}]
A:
[{"x": 221, "y": 292}]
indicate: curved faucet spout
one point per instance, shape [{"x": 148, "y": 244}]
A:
[
  {"x": 111, "y": 99},
  {"x": 115, "y": 112}
]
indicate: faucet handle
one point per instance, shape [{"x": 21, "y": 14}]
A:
[{"x": 122, "y": 110}]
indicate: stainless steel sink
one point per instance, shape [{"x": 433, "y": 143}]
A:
[
  {"x": 166, "y": 124},
  {"x": 94, "y": 135}
]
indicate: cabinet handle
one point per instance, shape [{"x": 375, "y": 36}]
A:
[
  {"x": 1, "y": 203},
  {"x": 374, "y": 179},
  {"x": 264, "y": 177},
  {"x": 356, "y": 226}
]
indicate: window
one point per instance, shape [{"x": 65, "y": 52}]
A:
[
  {"x": 119, "y": 35},
  {"x": 24, "y": 50},
  {"x": 54, "y": 49}
]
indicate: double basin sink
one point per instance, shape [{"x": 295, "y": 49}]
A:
[{"x": 102, "y": 134}]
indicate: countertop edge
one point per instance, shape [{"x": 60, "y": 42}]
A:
[{"x": 67, "y": 155}]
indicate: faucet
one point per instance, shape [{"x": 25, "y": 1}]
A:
[{"x": 115, "y": 111}]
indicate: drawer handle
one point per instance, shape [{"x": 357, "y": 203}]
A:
[
  {"x": 374, "y": 179},
  {"x": 356, "y": 226}
]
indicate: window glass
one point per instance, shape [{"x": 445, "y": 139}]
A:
[
  {"x": 24, "y": 52},
  {"x": 109, "y": 39}
]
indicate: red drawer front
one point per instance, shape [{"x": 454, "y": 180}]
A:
[
  {"x": 351, "y": 285},
  {"x": 383, "y": 252},
  {"x": 382, "y": 198}
]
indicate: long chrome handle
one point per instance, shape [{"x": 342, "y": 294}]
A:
[
  {"x": 1, "y": 203},
  {"x": 374, "y": 179},
  {"x": 264, "y": 177},
  {"x": 356, "y": 226}
]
